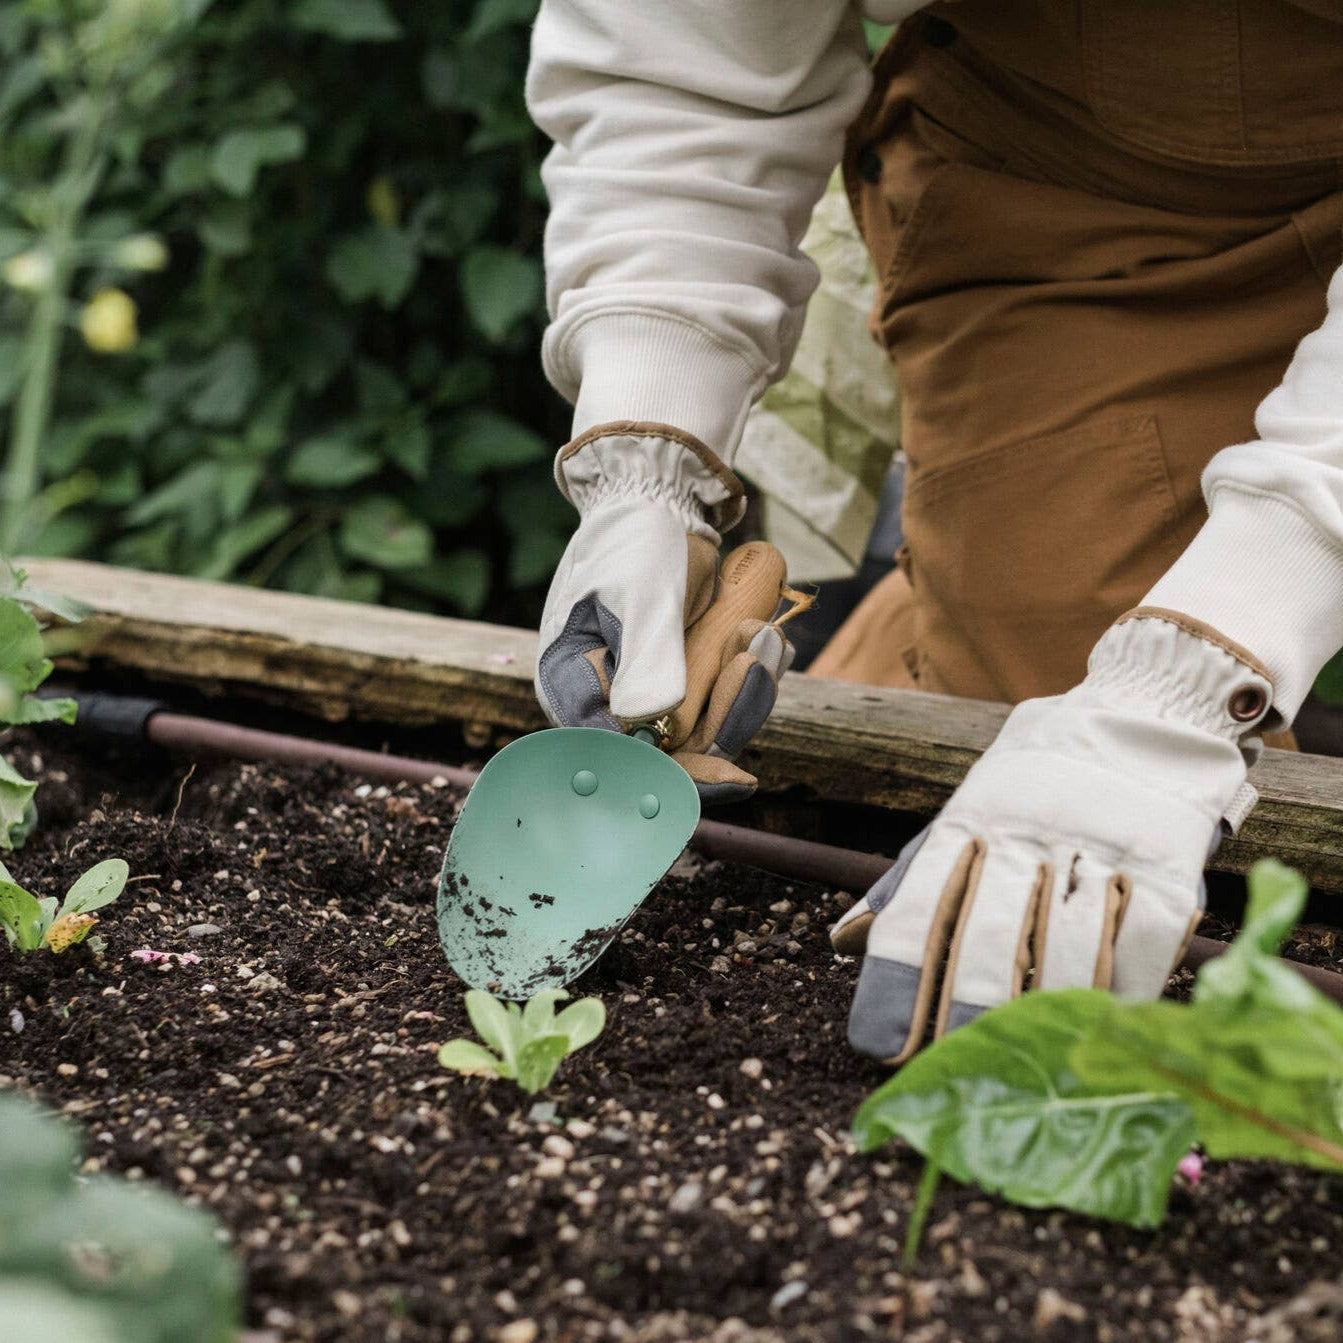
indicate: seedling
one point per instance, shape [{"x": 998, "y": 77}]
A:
[
  {"x": 1074, "y": 1099},
  {"x": 33, "y": 924},
  {"x": 529, "y": 1042}
]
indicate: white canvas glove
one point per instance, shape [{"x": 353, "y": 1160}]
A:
[
  {"x": 1074, "y": 850},
  {"x": 639, "y": 585}
]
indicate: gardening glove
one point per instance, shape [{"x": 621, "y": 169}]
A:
[
  {"x": 1073, "y": 853},
  {"x": 639, "y": 627}
]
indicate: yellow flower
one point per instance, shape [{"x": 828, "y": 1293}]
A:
[
  {"x": 30, "y": 270},
  {"x": 108, "y": 322},
  {"x": 383, "y": 202}
]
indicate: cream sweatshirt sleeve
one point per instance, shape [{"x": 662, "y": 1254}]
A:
[
  {"x": 692, "y": 139},
  {"x": 1267, "y": 567}
]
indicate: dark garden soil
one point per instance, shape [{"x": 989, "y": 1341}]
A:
[{"x": 696, "y": 1182}]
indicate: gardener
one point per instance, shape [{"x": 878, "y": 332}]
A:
[{"x": 1101, "y": 228}]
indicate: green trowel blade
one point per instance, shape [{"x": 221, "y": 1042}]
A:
[{"x": 560, "y": 840}]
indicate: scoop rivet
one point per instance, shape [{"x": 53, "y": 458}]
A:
[
  {"x": 585, "y": 783},
  {"x": 649, "y": 806}
]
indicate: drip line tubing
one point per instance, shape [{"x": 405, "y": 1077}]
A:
[{"x": 796, "y": 859}]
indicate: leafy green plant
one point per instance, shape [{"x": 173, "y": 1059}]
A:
[
  {"x": 1074, "y": 1099},
  {"x": 335, "y": 389},
  {"x": 24, "y": 666},
  {"x": 529, "y": 1043},
  {"x": 33, "y": 924},
  {"x": 99, "y": 1260}
]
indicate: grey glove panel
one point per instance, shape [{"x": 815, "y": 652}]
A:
[
  {"x": 883, "y": 1007},
  {"x": 962, "y": 1014},
  {"x": 571, "y": 686},
  {"x": 888, "y": 883},
  {"x": 754, "y": 702}
]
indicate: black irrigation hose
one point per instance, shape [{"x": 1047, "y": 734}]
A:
[{"x": 798, "y": 859}]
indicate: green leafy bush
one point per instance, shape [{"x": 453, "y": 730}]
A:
[
  {"x": 99, "y": 1260},
  {"x": 529, "y": 1043},
  {"x": 1075, "y": 1099},
  {"x": 336, "y": 386}
]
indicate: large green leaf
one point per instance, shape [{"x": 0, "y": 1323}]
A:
[
  {"x": 376, "y": 262},
  {"x": 16, "y": 805},
  {"x": 466, "y": 1056},
  {"x": 234, "y": 544},
  {"x": 349, "y": 20},
  {"x": 230, "y": 380},
  {"x": 241, "y": 154},
  {"x": 485, "y": 440},
  {"x": 384, "y": 532},
  {"x": 38, "y": 1312},
  {"x": 1260, "y": 1081},
  {"x": 491, "y": 15},
  {"x": 582, "y": 1022},
  {"x": 462, "y": 578},
  {"x": 999, "y": 1104},
  {"x": 23, "y": 662},
  {"x": 500, "y": 287},
  {"x": 30, "y": 709},
  {"x": 330, "y": 461}
]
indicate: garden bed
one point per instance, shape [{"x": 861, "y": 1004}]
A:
[{"x": 696, "y": 1182}]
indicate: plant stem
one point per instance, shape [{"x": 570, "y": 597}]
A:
[
  {"x": 923, "y": 1203},
  {"x": 32, "y": 409}
]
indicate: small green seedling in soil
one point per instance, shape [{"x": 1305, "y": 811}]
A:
[
  {"x": 33, "y": 924},
  {"x": 529, "y": 1042},
  {"x": 1077, "y": 1100}
]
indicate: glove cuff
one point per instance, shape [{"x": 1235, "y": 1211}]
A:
[
  {"x": 656, "y": 462},
  {"x": 1156, "y": 661}
]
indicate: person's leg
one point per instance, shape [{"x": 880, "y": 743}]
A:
[{"x": 1069, "y": 362}]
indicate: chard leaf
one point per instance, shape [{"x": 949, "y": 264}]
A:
[
  {"x": 30, "y": 709},
  {"x": 538, "y": 1060},
  {"x": 465, "y": 1056},
  {"x": 998, "y": 1104},
  {"x": 582, "y": 1023},
  {"x": 16, "y": 805},
  {"x": 491, "y": 1020},
  {"x": 1261, "y": 1081},
  {"x": 23, "y": 663},
  {"x": 21, "y": 917},
  {"x": 99, "y": 886}
]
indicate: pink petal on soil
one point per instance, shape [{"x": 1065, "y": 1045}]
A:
[
  {"x": 149, "y": 955},
  {"x": 1191, "y": 1167},
  {"x": 188, "y": 958}
]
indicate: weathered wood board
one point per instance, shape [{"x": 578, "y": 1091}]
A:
[{"x": 840, "y": 742}]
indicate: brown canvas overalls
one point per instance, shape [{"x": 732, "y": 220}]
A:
[{"x": 1100, "y": 227}]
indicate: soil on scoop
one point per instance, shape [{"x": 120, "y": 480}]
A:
[{"x": 688, "y": 1176}]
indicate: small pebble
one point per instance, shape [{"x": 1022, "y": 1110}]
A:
[
  {"x": 518, "y": 1331},
  {"x": 787, "y": 1294},
  {"x": 16, "y": 1021},
  {"x": 558, "y": 1147},
  {"x": 204, "y": 930},
  {"x": 752, "y": 1068},
  {"x": 543, "y": 1112},
  {"x": 687, "y": 1198}
]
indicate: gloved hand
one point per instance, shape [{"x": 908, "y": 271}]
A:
[
  {"x": 1073, "y": 853},
  {"x": 636, "y": 600}
]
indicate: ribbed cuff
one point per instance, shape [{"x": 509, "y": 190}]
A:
[
  {"x": 1266, "y": 578},
  {"x": 644, "y": 366}
]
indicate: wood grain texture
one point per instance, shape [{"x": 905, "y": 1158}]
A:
[{"x": 828, "y": 739}]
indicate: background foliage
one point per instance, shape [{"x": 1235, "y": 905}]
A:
[{"x": 336, "y": 386}]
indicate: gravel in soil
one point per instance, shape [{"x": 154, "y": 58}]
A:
[{"x": 688, "y": 1177}]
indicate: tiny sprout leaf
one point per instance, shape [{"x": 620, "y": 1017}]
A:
[
  {"x": 538, "y": 1059},
  {"x": 21, "y": 917},
  {"x": 465, "y": 1056},
  {"x": 490, "y": 1018},
  {"x": 538, "y": 1014},
  {"x": 99, "y": 886},
  {"x": 582, "y": 1023}
]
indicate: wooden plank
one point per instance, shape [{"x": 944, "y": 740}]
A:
[{"x": 829, "y": 739}]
